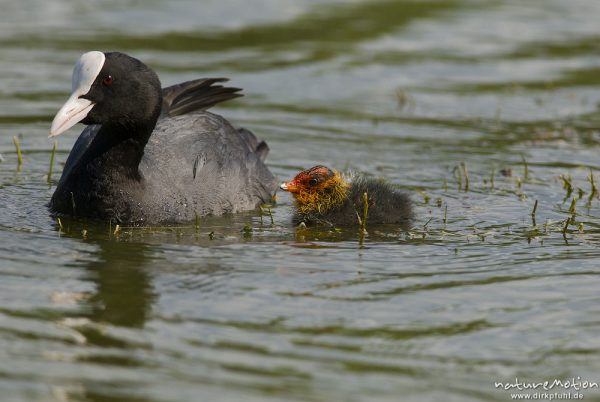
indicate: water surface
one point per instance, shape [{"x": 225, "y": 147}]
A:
[{"x": 416, "y": 92}]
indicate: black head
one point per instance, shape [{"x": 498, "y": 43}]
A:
[
  {"x": 110, "y": 88},
  {"x": 125, "y": 91}
]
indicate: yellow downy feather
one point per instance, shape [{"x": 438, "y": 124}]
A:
[{"x": 323, "y": 198}]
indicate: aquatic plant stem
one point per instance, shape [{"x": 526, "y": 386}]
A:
[
  {"x": 363, "y": 227},
  {"x": 593, "y": 183},
  {"x": 458, "y": 174},
  {"x": 363, "y": 222},
  {"x": 525, "y": 168},
  {"x": 18, "y": 148},
  {"x": 533, "y": 212},
  {"x": 564, "y": 231},
  {"x": 573, "y": 208},
  {"x": 464, "y": 167}
]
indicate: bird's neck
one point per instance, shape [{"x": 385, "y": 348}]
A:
[
  {"x": 333, "y": 196},
  {"x": 119, "y": 148}
]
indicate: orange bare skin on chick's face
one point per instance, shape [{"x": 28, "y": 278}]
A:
[{"x": 317, "y": 190}]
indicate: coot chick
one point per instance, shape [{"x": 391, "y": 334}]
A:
[
  {"x": 152, "y": 155},
  {"x": 324, "y": 196}
]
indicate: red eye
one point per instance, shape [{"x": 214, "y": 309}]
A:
[{"x": 108, "y": 80}]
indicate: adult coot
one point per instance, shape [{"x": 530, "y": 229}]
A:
[
  {"x": 324, "y": 196},
  {"x": 152, "y": 155}
]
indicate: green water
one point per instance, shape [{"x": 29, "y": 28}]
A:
[{"x": 416, "y": 92}]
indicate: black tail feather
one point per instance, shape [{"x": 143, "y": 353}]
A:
[{"x": 198, "y": 94}]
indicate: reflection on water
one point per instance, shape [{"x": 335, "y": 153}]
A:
[
  {"x": 478, "y": 109},
  {"x": 124, "y": 292}
]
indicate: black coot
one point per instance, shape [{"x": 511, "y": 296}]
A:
[
  {"x": 152, "y": 155},
  {"x": 327, "y": 197}
]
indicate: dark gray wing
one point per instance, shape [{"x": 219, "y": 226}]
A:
[{"x": 199, "y": 163}]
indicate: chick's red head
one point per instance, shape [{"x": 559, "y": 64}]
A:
[{"x": 311, "y": 180}]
